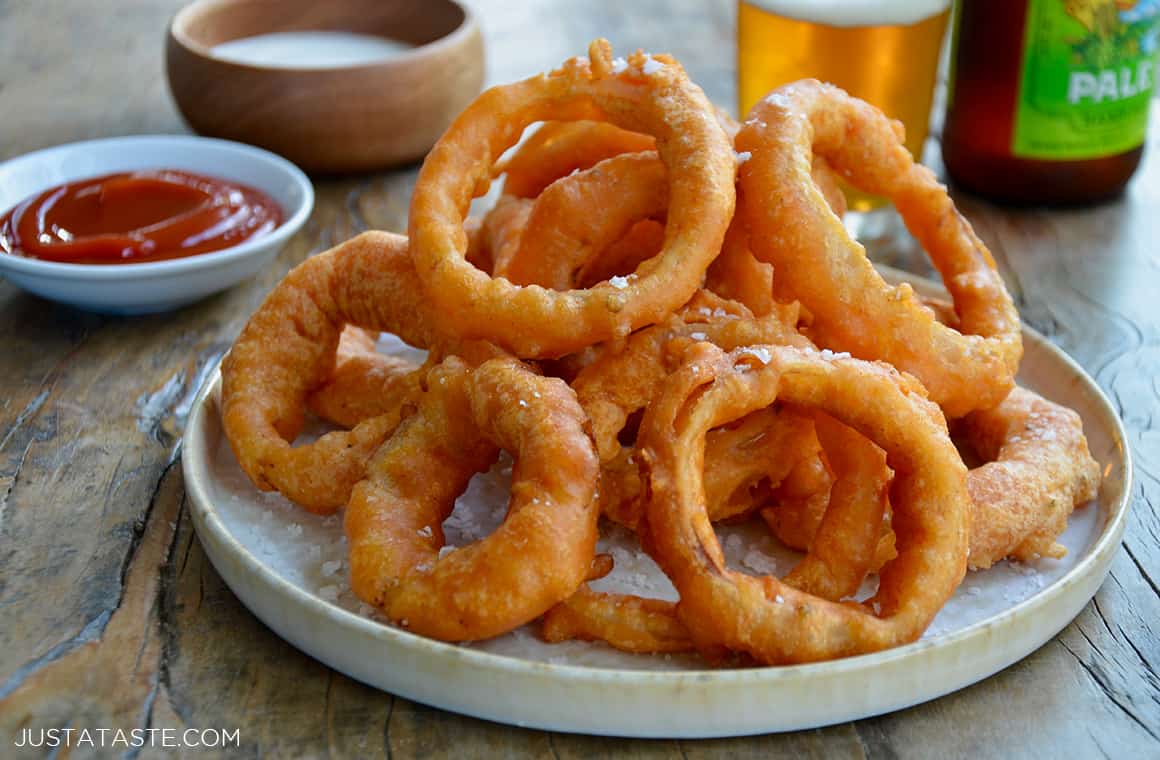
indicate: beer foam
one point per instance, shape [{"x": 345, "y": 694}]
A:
[{"x": 854, "y": 12}]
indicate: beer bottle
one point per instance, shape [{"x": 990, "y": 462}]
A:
[{"x": 1048, "y": 100}]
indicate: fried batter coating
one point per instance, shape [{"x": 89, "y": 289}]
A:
[
  {"x": 764, "y": 617},
  {"x": 364, "y": 383},
  {"x": 1038, "y": 469},
  {"x": 287, "y": 349},
  {"x": 539, "y": 555},
  {"x": 531, "y": 321},
  {"x": 816, "y": 262}
]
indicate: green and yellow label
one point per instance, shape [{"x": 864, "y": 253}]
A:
[{"x": 1089, "y": 67}]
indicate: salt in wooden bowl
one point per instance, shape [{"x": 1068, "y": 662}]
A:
[{"x": 346, "y": 109}]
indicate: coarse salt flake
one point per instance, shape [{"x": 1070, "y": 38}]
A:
[
  {"x": 779, "y": 599},
  {"x": 651, "y": 65},
  {"x": 744, "y": 156},
  {"x": 829, "y": 355},
  {"x": 523, "y": 403},
  {"x": 761, "y": 354},
  {"x": 777, "y": 99},
  {"x": 697, "y": 336},
  {"x": 425, "y": 531},
  {"x": 758, "y": 561},
  {"x": 618, "y": 282}
]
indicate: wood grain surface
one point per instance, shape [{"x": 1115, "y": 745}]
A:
[{"x": 111, "y": 616}]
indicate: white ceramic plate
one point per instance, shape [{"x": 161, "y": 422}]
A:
[
  {"x": 159, "y": 285},
  {"x": 288, "y": 567}
]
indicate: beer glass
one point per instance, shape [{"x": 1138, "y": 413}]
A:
[{"x": 883, "y": 51}]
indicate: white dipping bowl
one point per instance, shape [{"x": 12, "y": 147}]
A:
[{"x": 158, "y": 285}]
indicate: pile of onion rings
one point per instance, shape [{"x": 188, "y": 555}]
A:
[{"x": 664, "y": 323}]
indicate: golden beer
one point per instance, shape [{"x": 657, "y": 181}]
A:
[{"x": 883, "y": 52}]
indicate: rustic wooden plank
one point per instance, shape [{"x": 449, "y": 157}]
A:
[
  {"x": 109, "y": 679},
  {"x": 832, "y": 743},
  {"x": 573, "y": 747},
  {"x": 416, "y": 732},
  {"x": 83, "y": 71},
  {"x": 280, "y": 701}
]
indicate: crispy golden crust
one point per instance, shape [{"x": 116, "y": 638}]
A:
[
  {"x": 559, "y": 148},
  {"x": 531, "y": 321},
  {"x": 845, "y": 540},
  {"x": 539, "y": 555},
  {"x": 621, "y": 382},
  {"x": 643, "y": 240},
  {"x": 287, "y": 349},
  {"x": 500, "y": 233},
  {"x": 1038, "y": 470},
  {"x": 572, "y": 221},
  {"x": 737, "y": 274},
  {"x": 845, "y": 545},
  {"x": 764, "y": 617},
  {"x": 364, "y": 383},
  {"x": 743, "y": 463},
  {"x": 629, "y": 623},
  {"x": 816, "y": 262}
]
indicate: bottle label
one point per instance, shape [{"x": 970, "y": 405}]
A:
[{"x": 1089, "y": 67}]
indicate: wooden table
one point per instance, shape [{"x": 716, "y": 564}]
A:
[{"x": 110, "y": 615}]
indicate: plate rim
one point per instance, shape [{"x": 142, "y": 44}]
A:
[{"x": 1096, "y": 561}]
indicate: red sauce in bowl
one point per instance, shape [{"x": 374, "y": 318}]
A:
[{"x": 135, "y": 217}]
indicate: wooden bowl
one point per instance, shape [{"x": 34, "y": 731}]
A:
[{"x": 347, "y": 119}]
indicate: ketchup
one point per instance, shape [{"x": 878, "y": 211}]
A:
[{"x": 136, "y": 217}]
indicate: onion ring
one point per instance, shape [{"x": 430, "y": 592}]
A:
[
  {"x": 559, "y": 148},
  {"x": 287, "y": 349},
  {"x": 534, "y": 322},
  {"x": 364, "y": 383},
  {"x": 764, "y": 617},
  {"x": 539, "y": 555},
  {"x": 621, "y": 382},
  {"x": 1038, "y": 470},
  {"x": 562, "y": 235},
  {"x": 839, "y": 552},
  {"x": 737, "y": 275},
  {"x": 853, "y": 309},
  {"x": 643, "y": 240},
  {"x": 628, "y": 623},
  {"x": 763, "y": 449},
  {"x": 566, "y": 233},
  {"x": 845, "y": 546},
  {"x": 503, "y": 226}
]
